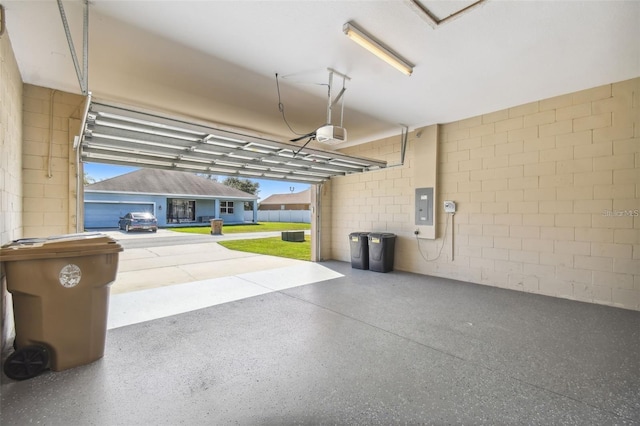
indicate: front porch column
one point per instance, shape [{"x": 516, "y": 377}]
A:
[
  {"x": 217, "y": 208},
  {"x": 255, "y": 211}
]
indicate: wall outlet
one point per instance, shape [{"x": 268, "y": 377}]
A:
[{"x": 449, "y": 207}]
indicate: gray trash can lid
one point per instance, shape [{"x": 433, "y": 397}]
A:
[{"x": 356, "y": 236}]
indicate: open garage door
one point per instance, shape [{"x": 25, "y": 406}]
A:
[
  {"x": 124, "y": 135},
  {"x": 105, "y": 214},
  {"x": 116, "y": 134}
]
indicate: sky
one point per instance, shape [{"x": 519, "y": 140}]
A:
[{"x": 267, "y": 187}]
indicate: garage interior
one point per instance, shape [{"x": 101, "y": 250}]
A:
[{"x": 523, "y": 306}]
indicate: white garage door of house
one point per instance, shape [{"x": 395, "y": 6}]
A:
[
  {"x": 116, "y": 134},
  {"x": 106, "y": 215}
]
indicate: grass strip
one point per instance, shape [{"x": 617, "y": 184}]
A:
[{"x": 272, "y": 246}]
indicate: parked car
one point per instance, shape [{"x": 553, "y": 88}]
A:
[{"x": 141, "y": 221}]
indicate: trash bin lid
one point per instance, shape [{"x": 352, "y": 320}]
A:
[
  {"x": 375, "y": 237},
  {"x": 358, "y": 234},
  {"x": 83, "y": 244}
]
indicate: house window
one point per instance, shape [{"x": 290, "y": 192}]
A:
[
  {"x": 179, "y": 211},
  {"x": 226, "y": 207}
]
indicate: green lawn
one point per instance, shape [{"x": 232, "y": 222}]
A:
[
  {"x": 237, "y": 229},
  {"x": 272, "y": 246}
]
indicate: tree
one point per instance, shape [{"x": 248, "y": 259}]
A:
[
  {"x": 208, "y": 176},
  {"x": 87, "y": 180},
  {"x": 245, "y": 185}
]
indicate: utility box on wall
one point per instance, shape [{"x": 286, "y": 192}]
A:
[
  {"x": 426, "y": 193},
  {"x": 424, "y": 206}
]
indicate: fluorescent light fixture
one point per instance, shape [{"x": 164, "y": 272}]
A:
[{"x": 366, "y": 41}]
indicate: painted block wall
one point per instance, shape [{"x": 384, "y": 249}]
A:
[
  {"x": 548, "y": 197},
  {"x": 10, "y": 144},
  {"x": 10, "y": 170},
  {"x": 204, "y": 208},
  {"x": 238, "y": 213},
  {"x": 48, "y": 161}
]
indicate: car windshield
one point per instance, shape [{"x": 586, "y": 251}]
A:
[{"x": 141, "y": 215}]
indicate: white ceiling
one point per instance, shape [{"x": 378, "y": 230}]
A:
[{"x": 216, "y": 60}]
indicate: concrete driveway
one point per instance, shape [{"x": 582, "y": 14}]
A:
[
  {"x": 169, "y": 273},
  {"x": 152, "y": 260}
]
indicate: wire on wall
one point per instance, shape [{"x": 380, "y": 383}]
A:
[
  {"x": 50, "y": 159},
  {"x": 453, "y": 239},
  {"x": 444, "y": 239}
]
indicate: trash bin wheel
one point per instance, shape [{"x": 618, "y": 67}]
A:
[{"x": 26, "y": 362}]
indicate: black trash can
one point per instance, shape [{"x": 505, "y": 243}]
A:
[
  {"x": 359, "y": 250},
  {"x": 381, "y": 251}
]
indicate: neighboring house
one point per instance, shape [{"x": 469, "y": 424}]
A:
[
  {"x": 286, "y": 208},
  {"x": 297, "y": 201},
  {"x": 175, "y": 198}
]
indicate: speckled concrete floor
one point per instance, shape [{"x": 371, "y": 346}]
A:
[{"x": 366, "y": 348}]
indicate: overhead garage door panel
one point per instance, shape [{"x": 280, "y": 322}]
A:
[
  {"x": 122, "y": 135},
  {"x": 106, "y": 215}
]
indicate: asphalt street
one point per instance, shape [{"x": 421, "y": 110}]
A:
[{"x": 145, "y": 242}]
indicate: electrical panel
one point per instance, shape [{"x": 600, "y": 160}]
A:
[{"x": 424, "y": 206}]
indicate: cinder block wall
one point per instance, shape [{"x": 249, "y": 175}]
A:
[
  {"x": 49, "y": 163},
  {"x": 548, "y": 199},
  {"x": 10, "y": 167},
  {"x": 10, "y": 143}
]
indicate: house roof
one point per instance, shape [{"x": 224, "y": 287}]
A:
[
  {"x": 156, "y": 181},
  {"x": 303, "y": 197}
]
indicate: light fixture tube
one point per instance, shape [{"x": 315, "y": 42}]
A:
[{"x": 366, "y": 41}]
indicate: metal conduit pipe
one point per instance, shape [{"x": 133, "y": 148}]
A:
[{"x": 50, "y": 156}]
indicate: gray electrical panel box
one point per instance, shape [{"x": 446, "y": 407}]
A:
[{"x": 424, "y": 206}]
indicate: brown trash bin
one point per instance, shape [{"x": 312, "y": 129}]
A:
[
  {"x": 60, "y": 288},
  {"x": 216, "y": 226}
]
